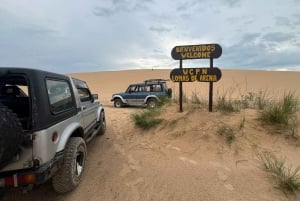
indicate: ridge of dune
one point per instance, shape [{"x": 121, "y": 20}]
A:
[{"x": 233, "y": 82}]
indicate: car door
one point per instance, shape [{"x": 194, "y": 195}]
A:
[
  {"x": 135, "y": 95},
  {"x": 87, "y": 108}
]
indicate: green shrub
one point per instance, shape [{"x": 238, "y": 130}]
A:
[
  {"x": 147, "y": 118},
  {"x": 254, "y": 100},
  {"x": 261, "y": 100},
  {"x": 279, "y": 113},
  {"x": 225, "y": 106},
  {"x": 163, "y": 100},
  {"x": 285, "y": 177},
  {"x": 227, "y": 133}
]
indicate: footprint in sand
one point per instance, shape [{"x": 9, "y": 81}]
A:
[
  {"x": 173, "y": 147},
  {"x": 229, "y": 187},
  {"x": 184, "y": 159},
  {"x": 134, "y": 189},
  {"x": 131, "y": 165},
  {"x": 223, "y": 177}
]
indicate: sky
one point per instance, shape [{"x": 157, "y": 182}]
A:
[{"x": 107, "y": 35}]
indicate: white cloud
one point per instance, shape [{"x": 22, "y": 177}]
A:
[{"x": 73, "y": 36}]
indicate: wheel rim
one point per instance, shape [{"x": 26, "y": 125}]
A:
[
  {"x": 151, "y": 104},
  {"x": 104, "y": 125},
  {"x": 118, "y": 103},
  {"x": 79, "y": 160}
]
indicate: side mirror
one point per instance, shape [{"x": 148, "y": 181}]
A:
[{"x": 94, "y": 97}]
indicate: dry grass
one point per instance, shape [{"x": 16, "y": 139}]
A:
[{"x": 286, "y": 178}]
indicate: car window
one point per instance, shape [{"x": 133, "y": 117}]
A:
[
  {"x": 84, "y": 95},
  {"x": 59, "y": 95},
  {"x": 147, "y": 88},
  {"x": 157, "y": 88}
]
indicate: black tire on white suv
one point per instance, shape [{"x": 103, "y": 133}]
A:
[
  {"x": 103, "y": 123},
  {"x": 69, "y": 175},
  {"x": 11, "y": 135}
]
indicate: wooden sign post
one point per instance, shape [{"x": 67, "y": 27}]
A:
[{"x": 211, "y": 74}]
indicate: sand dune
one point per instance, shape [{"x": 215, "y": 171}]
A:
[{"x": 233, "y": 82}]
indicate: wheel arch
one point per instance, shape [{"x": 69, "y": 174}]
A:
[
  {"x": 118, "y": 97},
  {"x": 73, "y": 130},
  {"x": 99, "y": 110},
  {"x": 151, "y": 97}
]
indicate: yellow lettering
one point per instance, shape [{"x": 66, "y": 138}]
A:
[
  {"x": 184, "y": 55},
  {"x": 213, "y": 47},
  {"x": 180, "y": 78},
  {"x": 185, "y": 71},
  {"x": 204, "y": 71},
  {"x": 193, "y": 78},
  {"x": 208, "y": 78},
  {"x": 196, "y": 51}
]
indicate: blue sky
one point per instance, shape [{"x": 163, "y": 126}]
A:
[{"x": 106, "y": 35}]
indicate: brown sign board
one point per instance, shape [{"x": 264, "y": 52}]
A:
[
  {"x": 196, "y": 74},
  {"x": 204, "y": 51}
]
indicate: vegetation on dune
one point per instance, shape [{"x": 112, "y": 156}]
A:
[
  {"x": 280, "y": 113},
  {"x": 227, "y": 133},
  {"x": 147, "y": 118},
  {"x": 251, "y": 100},
  {"x": 286, "y": 178}
]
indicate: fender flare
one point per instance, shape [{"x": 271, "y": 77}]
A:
[
  {"x": 67, "y": 133},
  {"x": 118, "y": 96},
  {"x": 150, "y": 96},
  {"x": 99, "y": 110}
]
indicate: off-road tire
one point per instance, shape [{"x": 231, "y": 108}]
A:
[
  {"x": 11, "y": 135},
  {"x": 118, "y": 103},
  {"x": 102, "y": 123},
  {"x": 71, "y": 171},
  {"x": 152, "y": 103}
]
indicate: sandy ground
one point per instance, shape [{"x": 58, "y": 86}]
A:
[{"x": 183, "y": 159}]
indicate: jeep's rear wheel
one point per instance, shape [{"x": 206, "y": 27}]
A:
[
  {"x": 10, "y": 136},
  {"x": 71, "y": 171},
  {"x": 152, "y": 103},
  {"x": 118, "y": 103}
]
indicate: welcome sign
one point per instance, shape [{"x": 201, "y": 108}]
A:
[
  {"x": 205, "y": 51},
  {"x": 211, "y": 74}
]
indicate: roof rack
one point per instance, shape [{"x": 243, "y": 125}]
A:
[{"x": 156, "y": 80}]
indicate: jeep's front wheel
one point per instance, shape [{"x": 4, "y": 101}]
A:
[
  {"x": 71, "y": 171},
  {"x": 102, "y": 123},
  {"x": 118, "y": 103},
  {"x": 152, "y": 103}
]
